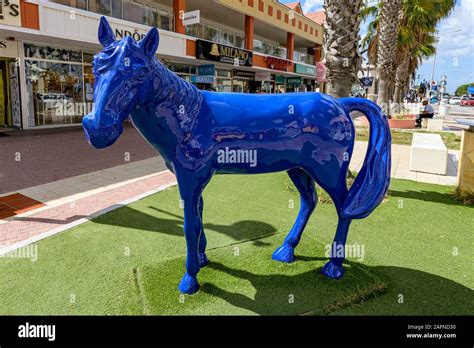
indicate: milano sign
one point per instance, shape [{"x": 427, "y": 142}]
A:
[{"x": 212, "y": 51}]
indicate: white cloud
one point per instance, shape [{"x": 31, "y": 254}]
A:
[
  {"x": 457, "y": 31},
  {"x": 311, "y": 5}
]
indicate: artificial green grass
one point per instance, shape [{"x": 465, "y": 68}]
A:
[
  {"x": 242, "y": 279},
  {"x": 418, "y": 244}
]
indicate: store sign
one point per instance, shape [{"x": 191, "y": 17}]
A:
[
  {"x": 294, "y": 80},
  {"x": 280, "y": 79},
  {"x": 304, "y": 69},
  {"x": 121, "y": 33},
  {"x": 320, "y": 72},
  {"x": 8, "y": 48},
  {"x": 207, "y": 70},
  {"x": 245, "y": 74},
  {"x": 202, "y": 79},
  {"x": 224, "y": 54},
  {"x": 10, "y": 12},
  {"x": 366, "y": 81},
  {"x": 263, "y": 76},
  {"x": 193, "y": 17},
  {"x": 275, "y": 63}
]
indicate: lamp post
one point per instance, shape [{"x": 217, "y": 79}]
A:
[{"x": 434, "y": 59}]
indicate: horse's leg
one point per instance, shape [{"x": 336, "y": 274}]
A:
[
  {"x": 190, "y": 190},
  {"x": 203, "y": 261},
  {"x": 305, "y": 185},
  {"x": 333, "y": 269}
]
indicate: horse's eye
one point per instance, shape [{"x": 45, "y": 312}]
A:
[{"x": 142, "y": 73}]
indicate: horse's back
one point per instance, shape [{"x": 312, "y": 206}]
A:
[{"x": 229, "y": 107}]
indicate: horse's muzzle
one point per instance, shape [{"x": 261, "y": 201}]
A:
[{"x": 100, "y": 136}]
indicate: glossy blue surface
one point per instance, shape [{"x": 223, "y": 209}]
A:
[{"x": 199, "y": 134}]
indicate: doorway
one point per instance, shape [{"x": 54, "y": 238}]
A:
[
  {"x": 10, "y": 113},
  {"x": 4, "y": 95}
]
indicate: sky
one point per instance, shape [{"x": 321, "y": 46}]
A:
[{"x": 455, "y": 47}]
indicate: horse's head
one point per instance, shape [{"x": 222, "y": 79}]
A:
[{"x": 123, "y": 79}]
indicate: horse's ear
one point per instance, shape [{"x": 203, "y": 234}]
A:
[
  {"x": 106, "y": 34},
  {"x": 150, "y": 42}
]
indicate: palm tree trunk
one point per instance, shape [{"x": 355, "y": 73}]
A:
[
  {"x": 397, "y": 94},
  {"x": 341, "y": 45},
  {"x": 401, "y": 78},
  {"x": 389, "y": 21},
  {"x": 340, "y": 87}
]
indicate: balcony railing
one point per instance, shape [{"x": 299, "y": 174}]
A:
[{"x": 128, "y": 10}]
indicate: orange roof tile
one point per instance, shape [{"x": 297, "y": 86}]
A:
[{"x": 317, "y": 17}]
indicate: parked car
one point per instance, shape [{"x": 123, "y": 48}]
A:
[
  {"x": 455, "y": 101},
  {"x": 467, "y": 101}
]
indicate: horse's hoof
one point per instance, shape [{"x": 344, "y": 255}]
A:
[
  {"x": 285, "y": 253},
  {"x": 333, "y": 271},
  {"x": 188, "y": 285},
  {"x": 203, "y": 260}
]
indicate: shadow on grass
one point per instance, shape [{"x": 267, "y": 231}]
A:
[
  {"x": 427, "y": 196},
  {"x": 424, "y": 293},
  {"x": 135, "y": 219}
]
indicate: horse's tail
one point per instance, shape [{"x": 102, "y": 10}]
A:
[{"x": 371, "y": 184}]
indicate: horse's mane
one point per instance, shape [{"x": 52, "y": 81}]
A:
[{"x": 177, "y": 94}]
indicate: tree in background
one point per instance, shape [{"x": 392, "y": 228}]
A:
[
  {"x": 415, "y": 41},
  {"x": 387, "y": 48},
  {"x": 461, "y": 90},
  {"x": 341, "y": 45}
]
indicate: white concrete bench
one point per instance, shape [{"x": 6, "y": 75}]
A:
[
  {"x": 435, "y": 124},
  {"x": 428, "y": 154}
]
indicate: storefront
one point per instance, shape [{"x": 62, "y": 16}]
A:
[
  {"x": 308, "y": 72},
  {"x": 59, "y": 85},
  {"x": 294, "y": 84}
]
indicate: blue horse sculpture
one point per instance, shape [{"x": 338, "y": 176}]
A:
[{"x": 199, "y": 134}]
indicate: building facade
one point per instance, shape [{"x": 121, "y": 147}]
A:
[{"x": 248, "y": 46}]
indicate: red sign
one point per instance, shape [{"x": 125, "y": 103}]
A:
[
  {"x": 320, "y": 72},
  {"x": 275, "y": 63}
]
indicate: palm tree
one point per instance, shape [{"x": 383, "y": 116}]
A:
[
  {"x": 387, "y": 47},
  {"x": 341, "y": 45},
  {"x": 410, "y": 55},
  {"x": 416, "y": 36}
]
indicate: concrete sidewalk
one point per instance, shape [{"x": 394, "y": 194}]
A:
[{"x": 401, "y": 163}]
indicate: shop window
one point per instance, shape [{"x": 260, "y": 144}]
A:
[
  {"x": 117, "y": 6},
  {"x": 210, "y": 33},
  {"x": 195, "y": 30},
  {"x": 52, "y": 53},
  {"x": 100, "y": 6},
  {"x": 268, "y": 47},
  {"x": 179, "y": 68},
  {"x": 59, "y": 84},
  {"x": 224, "y": 73},
  {"x": 135, "y": 12},
  {"x": 55, "y": 93},
  {"x": 81, "y": 4},
  {"x": 303, "y": 57}
]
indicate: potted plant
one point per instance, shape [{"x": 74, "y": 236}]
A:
[{"x": 402, "y": 121}]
